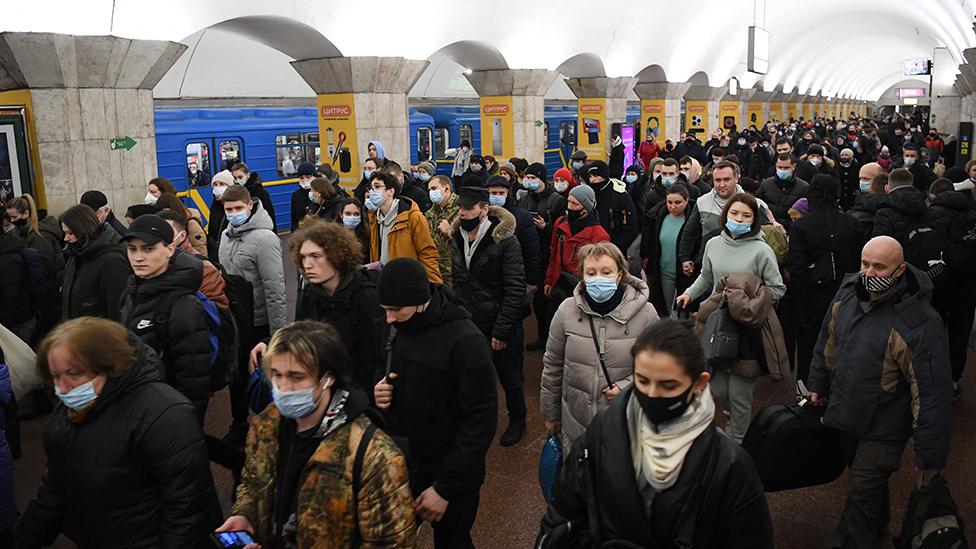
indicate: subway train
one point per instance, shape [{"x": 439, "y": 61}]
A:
[{"x": 273, "y": 141}]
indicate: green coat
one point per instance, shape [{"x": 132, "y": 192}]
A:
[{"x": 434, "y": 217}]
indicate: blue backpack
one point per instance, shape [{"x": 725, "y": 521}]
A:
[{"x": 221, "y": 330}]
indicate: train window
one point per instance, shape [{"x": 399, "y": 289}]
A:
[
  {"x": 545, "y": 144},
  {"x": 572, "y": 133},
  {"x": 441, "y": 139},
  {"x": 465, "y": 132},
  {"x": 424, "y": 137},
  {"x": 288, "y": 154},
  {"x": 311, "y": 152},
  {"x": 563, "y": 135},
  {"x": 198, "y": 164},
  {"x": 230, "y": 153}
]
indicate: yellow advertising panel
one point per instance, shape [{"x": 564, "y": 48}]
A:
[
  {"x": 808, "y": 111},
  {"x": 593, "y": 134},
  {"x": 337, "y": 135},
  {"x": 792, "y": 111},
  {"x": 776, "y": 111},
  {"x": 696, "y": 118},
  {"x": 653, "y": 119},
  {"x": 729, "y": 115},
  {"x": 754, "y": 111},
  {"x": 497, "y": 126}
]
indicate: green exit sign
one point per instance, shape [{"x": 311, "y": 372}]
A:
[{"x": 123, "y": 143}]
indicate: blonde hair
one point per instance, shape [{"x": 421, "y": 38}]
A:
[
  {"x": 600, "y": 249},
  {"x": 101, "y": 345},
  {"x": 25, "y": 204},
  {"x": 317, "y": 346}
]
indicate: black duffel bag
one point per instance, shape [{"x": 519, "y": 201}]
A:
[{"x": 792, "y": 448}]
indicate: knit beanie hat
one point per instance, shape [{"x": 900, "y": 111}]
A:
[
  {"x": 224, "y": 177},
  {"x": 598, "y": 168},
  {"x": 537, "y": 169},
  {"x": 403, "y": 283},
  {"x": 564, "y": 174},
  {"x": 585, "y": 195},
  {"x": 802, "y": 206},
  {"x": 306, "y": 169}
]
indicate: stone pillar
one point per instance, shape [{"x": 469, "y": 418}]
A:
[
  {"x": 777, "y": 107},
  {"x": 80, "y": 93},
  {"x": 758, "y": 106},
  {"x": 792, "y": 107},
  {"x": 662, "y": 101},
  {"x": 704, "y": 101},
  {"x": 361, "y": 99},
  {"x": 601, "y": 101},
  {"x": 513, "y": 103}
]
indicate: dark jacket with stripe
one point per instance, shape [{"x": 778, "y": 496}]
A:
[{"x": 884, "y": 367}]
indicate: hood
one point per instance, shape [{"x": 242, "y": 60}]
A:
[
  {"x": 952, "y": 200},
  {"x": 185, "y": 272},
  {"x": 822, "y": 191},
  {"x": 143, "y": 369},
  {"x": 104, "y": 239},
  {"x": 867, "y": 202},
  {"x": 380, "y": 153},
  {"x": 259, "y": 220},
  {"x": 906, "y": 199},
  {"x": 741, "y": 241},
  {"x": 10, "y": 243},
  {"x": 503, "y": 223},
  {"x": 50, "y": 225},
  {"x": 253, "y": 180},
  {"x": 636, "y": 295}
]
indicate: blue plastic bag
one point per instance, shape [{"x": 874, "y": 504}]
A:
[{"x": 549, "y": 463}]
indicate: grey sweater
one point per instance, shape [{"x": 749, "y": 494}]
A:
[{"x": 726, "y": 255}]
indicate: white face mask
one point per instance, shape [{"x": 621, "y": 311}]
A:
[
  {"x": 150, "y": 199},
  {"x": 240, "y": 180},
  {"x": 218, "y": 191},
  {"x": 560, "y": 185}
]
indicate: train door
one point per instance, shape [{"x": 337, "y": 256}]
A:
[
  {"x": 567, "y": 139},
  {"x": 15, "y": 167},
  {"x": 210, "y": 155},
  {"x": 425, "y": 139}
]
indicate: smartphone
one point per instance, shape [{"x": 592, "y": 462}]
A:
[
  {"x": 536, "y": 215},
  {"x": 232, "y": 539}
]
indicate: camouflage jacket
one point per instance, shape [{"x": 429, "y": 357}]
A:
[
  {"x": 325, "y": 498},
  {"x": 443, "y": 241}
]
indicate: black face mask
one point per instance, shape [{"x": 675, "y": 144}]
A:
[
  {"x": 574, "y": 215},
  {"x": 20, "y": 223},
  {"x": 470, "y": 224},
  {"x": 663, "y": 409},
  {"x": 413, "y": 324}
]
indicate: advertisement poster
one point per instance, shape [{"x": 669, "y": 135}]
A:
[
  {"x": 776, "y": 111},
  {"x": 594, "y": 135},
  {"x": 497, "y": 126},
  {"x": 337, "y": 132},
  {"x": 653, "y": 119},
  {"x": 755, "y": 114},
  {"x": 729, "y": 113},
  {"x": 627, "y": 136},
  {"x": 696, "y": 119},
  {"x": 792, "y": 111}
]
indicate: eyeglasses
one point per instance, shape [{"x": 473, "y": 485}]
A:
[{"x": 378, "y": 187}]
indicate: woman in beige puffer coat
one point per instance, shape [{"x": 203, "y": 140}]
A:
[{"x": 574, "y": 386}]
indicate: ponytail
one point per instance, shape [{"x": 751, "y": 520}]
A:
[{"x": 25, "y": 204}]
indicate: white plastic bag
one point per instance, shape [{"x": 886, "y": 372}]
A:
[{"x": 19, "y": 358}]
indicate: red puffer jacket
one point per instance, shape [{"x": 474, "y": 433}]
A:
[{"x": 565, "y": 245}]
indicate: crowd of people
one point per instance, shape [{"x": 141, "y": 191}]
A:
[{"x": 834, "y": 244}]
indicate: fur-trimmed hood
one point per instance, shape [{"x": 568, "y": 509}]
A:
[{"x": 503, "y": 223}]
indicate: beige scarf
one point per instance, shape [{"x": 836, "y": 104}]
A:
[{"x": 659, "y": 455}]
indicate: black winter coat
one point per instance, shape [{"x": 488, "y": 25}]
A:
[
  {"x": 901, "y": 208},
  {"x": 922, "y": 175},
  {"x": 780, "y": 196},
  {"x": 849, "y": 184},
  {"x": 300, "y": 205},
  {"x": 330, "y": 211},
  {"x": 596, "y": 498},
  {"x": 865, "y": 208},
  {"x": 528, "y": 239},
  {"x": 444, "y": 398},
  {"x": 16, "y": 306},
  {"x": 550, "y": 205},
  {"x": 694, "y": 149},
  {"x": 950, "y": 214},
  {"x": 617, "y": 213},
  {"x": 755, "y": 163},
  {"x": 355, "y": 312},
  {"x": 133, "y": 472},
  {"x": 185, "y": 358},
  {"x": 216, "y": 224},
  {"x": 257, "y": 190},
  {"x": 493, "y": 287},
  {"x": 824, "y": 237},
  {"x": 94, "y": 278},
  {"x": 48, "y": 240},
  {"x": 414, "y": 191}
]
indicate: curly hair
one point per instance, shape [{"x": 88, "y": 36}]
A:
[{"x": 340, "y": 245}]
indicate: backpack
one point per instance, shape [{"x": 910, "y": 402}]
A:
[
  {"x": 960, "y": 254},
  {"x": 240, "y": 296},
  {"x": 42, "y": 279},
  {"x": 924, "y": 245},
  {"x": 221, "y": 331},
  {"x": 932, "y": 520}
]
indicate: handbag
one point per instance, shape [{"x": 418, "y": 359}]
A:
[
  {"x": 600, "y": 352},
  {"x": 549, "y": 463},
  {"x": 19, "y": 358},
  {"x": 720, "y": 338}
]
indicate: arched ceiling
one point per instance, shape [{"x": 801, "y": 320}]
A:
[{"x": 835, "y": 47}]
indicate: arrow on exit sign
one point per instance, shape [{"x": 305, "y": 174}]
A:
[{"x": 123, "y": 143}]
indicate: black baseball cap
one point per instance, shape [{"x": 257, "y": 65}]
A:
[
  {"x": 150, "y": 229},
  {"x": 468, "y": 197}
]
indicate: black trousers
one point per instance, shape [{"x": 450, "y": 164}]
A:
[
  {"x": 867, "y": 510},
  {"x": 957, "y": 309},
  {"x": 508, "y": 366},
  {"x": 543, "y": 314},
  {"x": 808, "y": 331},
  {"x": 453, "y": 531},
  {"x": 238, "y": 386}
]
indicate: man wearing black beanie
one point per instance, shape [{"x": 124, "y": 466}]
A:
[{"x": 439, "y": 393}]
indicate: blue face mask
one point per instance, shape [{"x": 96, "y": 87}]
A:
[
  {"x": 669, "y": 180},
  {"x": 436, "y": 196},
  {"x": 601, "y": 288},
  {"x": 376, "y": 197},
  {"x": 237, "y": 219},
  {"x": 577, "y": 165},
  {"x": 736, "y": 228},
  {"x": 496, "y": 200},
  {"x": 865, "y": 186},
  {"x": 294, "y": 404},
  {"x": 79, "y": 397},
  {"x": 368, "y": 174},
  {"x": 351, "y": 221},
  {"x": 312, "y": 197},
  {"x": 531, "y": 184},
  {"x": 630, "y": 178},
  {"x": 424, "y": 176},
  {"x": 909, "y": 161},
  {"x": 784, "y": 175}
]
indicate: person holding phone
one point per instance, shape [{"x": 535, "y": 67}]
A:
[
  {"x": 318, "y": 472},
  {"x": 587, "y": 361}
]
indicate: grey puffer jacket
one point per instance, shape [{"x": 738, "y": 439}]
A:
[
  {"x": 572, "y": 379},
  {"x": 253, "y": 251}
]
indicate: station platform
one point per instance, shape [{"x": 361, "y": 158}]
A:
[{"x": 511, "y": 501}]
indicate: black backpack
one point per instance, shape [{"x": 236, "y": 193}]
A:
[
  {"x": 42, "y": 280},
  {"x": 924, "y": 246},
  {"x": 932, "y": 520},
  {"x": 240, "y": 296},
  {"x": 222, "y": 332},
  {"x": 960, "y": 254}
]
